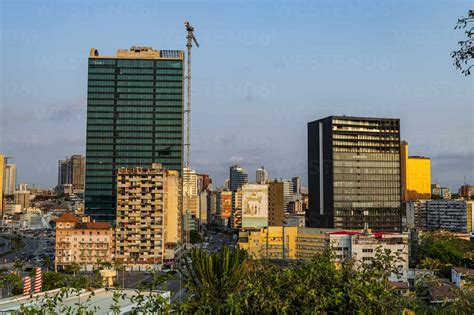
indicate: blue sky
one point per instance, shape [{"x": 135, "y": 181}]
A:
[{"x": 264, "y": 69}]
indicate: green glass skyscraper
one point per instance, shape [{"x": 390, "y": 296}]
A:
[{"x": 134, "y": 118}]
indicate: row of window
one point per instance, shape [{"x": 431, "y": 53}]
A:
[
  {"x": 158, "y": 97},
  {"x": 366, "y": 170},
  {"x": 367, "y": 184},
  {"x": 132, "y": 160},
  {"x": 138, "y": 63},
  {"x": 170, "y": 154},
  {"x": 135, "y": 141},
  {"x": 161, "y": 84},
  {"x": 380, "y": 204},
  {"x": 363, "y": 177},
  {"x": 102, "y": 108},
  {"x": 136, "y": 128},
  {"x": 170, "y": 90},
  {"x": 137, "y": 77},
  {"x": 165, "y": 119},
  {"x": 393, "y": 164},
  {"x": 376, "y": 156},
  {"x": 136, "y": 102},
  {"x": 366, "y": 191},
  {"x": 157, "y": 115},
  {"x": 132, "y": 147},
  {"x": 95, "y": 70}
]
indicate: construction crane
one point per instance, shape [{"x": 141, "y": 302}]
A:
[{"x": 189, "y": 44}]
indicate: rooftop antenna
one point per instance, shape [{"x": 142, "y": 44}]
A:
[{"x": 189, "y": 44}]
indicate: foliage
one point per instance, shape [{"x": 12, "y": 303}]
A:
[
  {"x": 465, "y": 54},
  {"x": 195, "y": 237},
  {"x": 446, "y": 250},
  {"x": 212, "y": 278},
  {"x": 12, "y": 282},
  {"x": 55, "y": 280}
]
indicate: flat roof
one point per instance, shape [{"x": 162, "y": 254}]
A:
[
  {"x": 100, "y": 301},
  {"x": 355, "y": 118}
]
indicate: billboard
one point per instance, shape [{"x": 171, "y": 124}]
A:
[
  {"x": 254, "y": 205},
  {"x": 225, "y": 204}
]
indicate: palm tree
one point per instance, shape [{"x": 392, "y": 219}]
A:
[
  {"x": 212, "y": 277},
  {"x": 120, "y": 267},
  {"x": 46, "y": 263}
]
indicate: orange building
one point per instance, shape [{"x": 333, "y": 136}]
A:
[{"x": 83, "y": 242}]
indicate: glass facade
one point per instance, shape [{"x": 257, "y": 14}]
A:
[
  {"x": 354, "y": 173},
  {"x": 134, "y": 119}
]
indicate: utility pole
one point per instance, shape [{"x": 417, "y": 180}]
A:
[{"x": 189, "y": 44}]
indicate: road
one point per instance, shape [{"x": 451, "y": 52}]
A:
[{"x": 33, "y": 247}]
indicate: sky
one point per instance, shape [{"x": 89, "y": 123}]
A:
[{"x": 264, "y": 70}]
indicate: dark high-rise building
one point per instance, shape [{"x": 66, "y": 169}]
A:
[
  {"x": 354, "y": 173},
  {"x": 134, "y": 119},
  {"x": 238, "y": 177}
]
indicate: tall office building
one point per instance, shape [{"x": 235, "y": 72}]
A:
[
  {"x": 416, "y": 175},
  {"x": 238, "y": 177},
  {"x": 261, "y": 176},
  {"x": 354, "y": 173},
  {"x": 147, "y": 207},
  {"x": 134, "y": 119},
  {"x": 287, "y": 193},
  {"x": 9, "y": 182}
]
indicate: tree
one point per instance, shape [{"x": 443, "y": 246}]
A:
[
  {"x": 12, "y": 282},
  {"x": 46, "y": 263},
  {"x": 212, "y": 278},
  {"x": 463, "y": 57},
  {"x": 195, "y": 237},
  {"x": 120, "y": 267}
]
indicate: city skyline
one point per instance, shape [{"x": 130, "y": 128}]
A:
[{"x": 262, "y": 103}]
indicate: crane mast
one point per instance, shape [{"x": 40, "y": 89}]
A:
[{"x": 187, "y": 161}]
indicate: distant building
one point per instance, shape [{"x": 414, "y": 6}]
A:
[
  {"x": 354, "y": 173},
  {"x": 238, "y": 177},
  {"x": 466, "y": 191},
  {"x": 80, "y": 241},
  {"x": 451, "y": 215},
  {"x": 276, "y": 203},
  {"x": 296, "y": 185},
  {"x": 439, "y": 192},
  {"x": 191, "y": 194},
  {"x": 71, "y": 171},
  {"x": 261, "y": 175},
  {"x": 9, "y": 186},
  {"x": 462, "y": 277},
  {"x": 362, "y": 247},
  {"x": 147, "y": 210},
  {"x": 254, "y": 206},
  {"x": 227, "y": 184},
  {"x": 416, "y": 175},
  {"x": 284, "y": 242},
  {"x": 295, "y": 220},
  {"x": 22, "y": 198}
]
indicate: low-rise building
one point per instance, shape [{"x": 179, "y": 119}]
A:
[
  {"x": 364, "y": 246},
  {"x": 280, "y": 242},
  {"x": 83, "y": 242}
]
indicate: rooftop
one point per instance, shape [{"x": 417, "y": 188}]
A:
[
  {"x": 140, "y": 52},
  {"x": 100, "y": 300}
]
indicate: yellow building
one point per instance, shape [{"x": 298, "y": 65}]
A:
[
  {"x": 416, "y": 175},
  {"x": 2, "y": 172},
  {"x": 280, "y": 242}
]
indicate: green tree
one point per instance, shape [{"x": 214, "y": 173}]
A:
[
  {"x": 195, "y": 237},
  {"x": 12, "y": 282},
  {"x": 212, "y": 278},
  {"x": 46, "y": 263}
]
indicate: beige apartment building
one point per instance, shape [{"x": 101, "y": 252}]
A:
[
  {"x": 148, "y": 222},
  {"x": 83, "y": 242}
]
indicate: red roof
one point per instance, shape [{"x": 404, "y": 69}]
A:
[
  {"x": 345, "y": 233},
  {"x": 96, "y": 225},
  {"x": 67, "y": 217}
]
